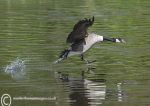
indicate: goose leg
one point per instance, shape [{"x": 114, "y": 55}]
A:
[{"x": 86, "y": 61}]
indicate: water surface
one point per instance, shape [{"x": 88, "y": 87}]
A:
[{"x": 33, "y": 32}]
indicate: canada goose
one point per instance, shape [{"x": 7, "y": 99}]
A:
[{"x": 80, "y": 40}]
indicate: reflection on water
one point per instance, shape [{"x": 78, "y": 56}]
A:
[
  {"x": 84, "y": 92},
  {"x": 120, "y": 94}
]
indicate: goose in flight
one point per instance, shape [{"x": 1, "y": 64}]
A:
[{"x": 81, "y": 41}]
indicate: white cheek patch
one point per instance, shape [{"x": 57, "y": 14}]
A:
[{"x": 117, "y": 40}]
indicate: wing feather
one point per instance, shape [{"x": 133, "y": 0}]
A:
[{"x": 80, "y": 30}]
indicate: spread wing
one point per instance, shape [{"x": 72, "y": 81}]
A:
[{"x": 80, "y": 30}]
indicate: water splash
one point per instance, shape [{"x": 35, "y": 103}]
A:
[{"x": 16, "y": 69}]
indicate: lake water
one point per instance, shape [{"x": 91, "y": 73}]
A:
[{"x": 33, "y": 33}]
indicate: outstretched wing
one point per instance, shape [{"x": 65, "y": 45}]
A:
[{"x": 80, "y": 30}]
